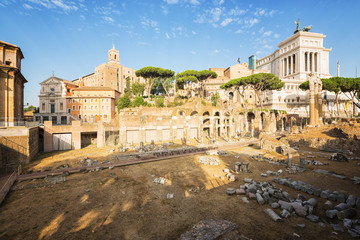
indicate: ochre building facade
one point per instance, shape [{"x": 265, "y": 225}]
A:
[{"x": 11, "y": 85}]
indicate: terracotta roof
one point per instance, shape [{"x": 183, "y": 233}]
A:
[{"x": 68, "y": 82}]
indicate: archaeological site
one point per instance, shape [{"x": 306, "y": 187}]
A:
[{"x": 263, "y": 149}]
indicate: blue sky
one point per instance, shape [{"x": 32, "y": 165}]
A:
[{"x": 72, "y": 37}]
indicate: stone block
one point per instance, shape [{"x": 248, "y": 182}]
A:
[
  {"x": 313, "y": 218},
  {"x": 341, "y": 206},
  {"x": 286, "y": 205},
  {"x": 251, "y": 195},
  {"x": 300, "y": 210},
  {"x": 275, "y": 205},
  {"x": 285, "y": 213},
  {"x": 351, "y": 201},
  {"x": 325, "y": 194},
  {"x": 347, "y": 213},
  {"x": 328, "y": 205},
  {"x": 331, "y": 213},
  {"x": 240, "y": 191}
]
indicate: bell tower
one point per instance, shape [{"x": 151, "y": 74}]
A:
[{"x": 113, "y": 55}]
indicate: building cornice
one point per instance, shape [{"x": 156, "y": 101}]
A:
[{"x": 301, "y": 34}]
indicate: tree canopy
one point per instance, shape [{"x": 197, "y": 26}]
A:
[
  {"x": 152, "y": 73},
  {"x": 137, "y": 89},
  {"x": 337, "y": 85},
  {"x": 30, "y": 108},
  {"x": 193, "y": 76},
  {"x": 258, "y": 82}
]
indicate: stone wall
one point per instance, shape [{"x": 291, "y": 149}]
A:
[
  {"x": 77, "y": 129},
  {"x": 18, "y": 146}
]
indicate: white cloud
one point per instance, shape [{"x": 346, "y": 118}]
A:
[
  {"x": 192, "y": 52},
  {"x": 106, "y": 10},
  {"x": 264, "y": 12},
  {"x": 215, "y": 14},
  {"x": 147, "y": 22},
  {"x": 167, "y": 35},
  {"x": 82, "y": 17},
  {"x": 237, "y": 11},
  {"x": 27, "y": 6},
  {"x": 276, "y": 35},
  {"x": 272, "y": 12},
  {"x": 221, "y": 50},
  {"x": 108, "y": 19},
  {"x": 267, "y": 46},
  {"x": 267, "y": 33},
  {"x": 171, "y": 1},
  {"x": 261, "y": 30},
  {"x": 219, "y": 2},
  {"x": 209, "y": 16},
  {"x": 113, "y": 35},
  {"x": 65, "y": 5},
  {"x": 194, "y": 2},
  {"x": 239, "y": 31},
  {"x": 226, "y": 22},
  {"x": 251, "y": 22},
  {"x": 165, "y": 10},
  {"x": 125, "y": 26},
  {"x": 44, "y": 3},
  {"x": 193, "y": 32}
]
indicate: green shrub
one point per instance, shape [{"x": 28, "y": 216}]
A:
[
  {"x": 138, "y": 101},
  {"x": 159, "y": 102},
  {"x": 123, "y": 102},
  {"x": 203, "y": 102},
  {"x": 214, "y": 99}
]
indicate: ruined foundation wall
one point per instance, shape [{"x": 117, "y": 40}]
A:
[
  {"x": 165, "y": 128},
  {"x": 18, "y": 146}
]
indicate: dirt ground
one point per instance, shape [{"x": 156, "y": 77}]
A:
[{"x": 125, "y": 203}]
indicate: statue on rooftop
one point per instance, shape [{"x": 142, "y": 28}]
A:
[
  {"x": 307, "y": 29},
  {"x": 298, "y": 29},
  {"x": 297, "y": 26}
]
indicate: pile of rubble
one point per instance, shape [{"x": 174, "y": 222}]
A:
[
  {"x": 213, "y": 229},
  {"x": 316, "y": 163},
  {"x": 291, "y": 168},
  {"x": 205, "y": 160},
  {"x": 326, "y": 194},
  {"x": 322, "y": 171},
  {"x": 267, "y": 193},
  {"x": 338, "y": 157},
  {"x": 88, "y": 162},
  {"x": 271, "y": 173}
]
